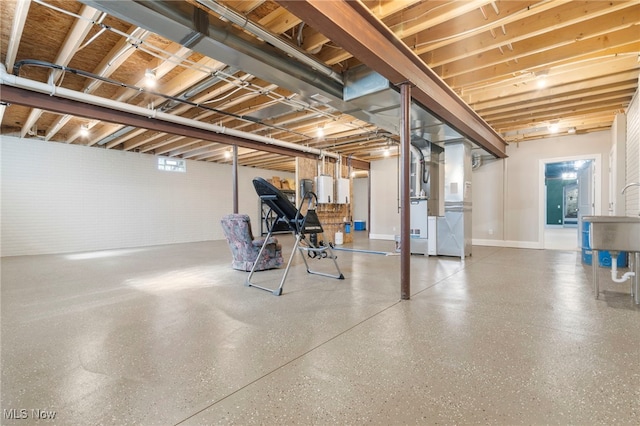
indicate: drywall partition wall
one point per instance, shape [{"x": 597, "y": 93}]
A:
[
  {"x": 385, "y": 217},
  {"x": 520, "y": 179},
  {"x": 361, "y": 199},
  {"x": 488, "y": 202},
  {"x": 59, "y": 198}
]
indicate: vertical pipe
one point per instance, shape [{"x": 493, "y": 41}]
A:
[
  {"x": 636, "y": 279},
  {"x": 405, "y": 153},
  {"x": 234, "y": 178}
]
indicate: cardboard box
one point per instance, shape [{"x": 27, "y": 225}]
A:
[{"x": 275, "y": 181}]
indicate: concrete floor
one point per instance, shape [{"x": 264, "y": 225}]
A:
[{"x": 169, "y": 335}]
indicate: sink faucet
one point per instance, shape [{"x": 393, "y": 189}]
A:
[{"x": 629, "y": 185}]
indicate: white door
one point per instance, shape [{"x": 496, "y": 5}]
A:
[{"x": 586, "y": 194}]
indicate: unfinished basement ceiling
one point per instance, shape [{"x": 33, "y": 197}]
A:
[{"x": 529, "y": 69}]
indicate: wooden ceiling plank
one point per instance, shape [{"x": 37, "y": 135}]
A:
[
  {"x": 72, "y": 42},
  {"x": 562, "y": 91},
  {"x": 19, "y": 19},
  {"x": 312, "y": 39},
  {"x": 559, "y": 76},
  {"x": 603, "y": 46},
  {"x": 279, "y": 21},
  {"x": 430, "y": 14},
  {"x": 80, "y": 109},
  {"x": 20, "y": 13},
  {"x": 572, "y": 38},
  {"x": 512, "y": 110},
  {"x": 149, "y": 137},
  {"x": 554, "y": 113},
  {"x": 352, "y": 26},
  {"x": 472, "y": 24},
  {"x": 242, "y": 6},
  {"x": 109, "y": 64},
  {"x": 534, "y": 51},
  {"x": 566, "y": 22},
  {"x": 583, "y": 118},
  {"x": 165, "y": 145}
]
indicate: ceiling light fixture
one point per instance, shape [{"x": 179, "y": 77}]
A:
[
  {"x": 150, "y": 77},
  {"x": 320, "y": 132},
  {"x": 571, "y": 130},
  {"x": 553, "y": 128},
  {"x": 387, "y": 150},
  {"x": 227, "y": 154},
  {"x": 84, "y": 130},
  {"x": 541, "y": 79}
]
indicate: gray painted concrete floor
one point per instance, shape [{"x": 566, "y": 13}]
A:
[{"x": 169, "y": 335}]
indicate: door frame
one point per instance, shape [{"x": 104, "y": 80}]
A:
[{"x": 542, "y": 194}]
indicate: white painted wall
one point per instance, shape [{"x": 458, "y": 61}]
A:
[
  {"x": 632, "y": 157},
  {"x": 507, "y": 199},
  {"x": 361, "y": 199},
  {"x": 488, "y": 200},
  {"x": 385, "y": 218},
  {"x": 58, "y": 198},
  {"x": 617, "y": 166},
  {"x": 66, "y": 198},
  {"x": 522, "y": 175}
]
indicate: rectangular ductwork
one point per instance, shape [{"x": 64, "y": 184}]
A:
[{"x": 376, "y": 97}]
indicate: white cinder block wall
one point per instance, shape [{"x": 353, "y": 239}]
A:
[
  {"x": 632, "y": 194},
  {"x": 58, "y": 198}
]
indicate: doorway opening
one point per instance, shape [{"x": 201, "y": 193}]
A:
[{"x": 569, "y": 193}]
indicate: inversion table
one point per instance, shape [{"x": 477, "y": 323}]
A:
[{"x": 299, "y": 225}]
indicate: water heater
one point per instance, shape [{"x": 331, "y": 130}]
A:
[
  {"x": 324, "y": 189},
  {"x": 342, "y": 191}
]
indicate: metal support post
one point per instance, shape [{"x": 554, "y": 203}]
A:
[{"x": 405, "y": 224}]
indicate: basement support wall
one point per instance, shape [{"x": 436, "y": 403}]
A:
[{"x": 59, "y": 198}]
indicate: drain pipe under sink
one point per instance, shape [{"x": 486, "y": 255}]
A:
[{"x": 614, "y": 270}]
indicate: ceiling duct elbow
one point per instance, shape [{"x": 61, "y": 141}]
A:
[{"x": 380, "y": 100}]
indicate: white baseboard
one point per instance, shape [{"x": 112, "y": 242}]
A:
[
  {"x": 505, "y": 243},
  {"x": 382, "y": 237},
  {"x": 477, "y": 242}
]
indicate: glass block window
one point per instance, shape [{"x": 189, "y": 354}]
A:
[{"x": 172, "y": 164}]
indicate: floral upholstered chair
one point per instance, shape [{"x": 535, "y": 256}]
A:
[{"x": 244, "y": 248}]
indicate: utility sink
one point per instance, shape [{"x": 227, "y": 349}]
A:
[{"x": 614, "y": 233}]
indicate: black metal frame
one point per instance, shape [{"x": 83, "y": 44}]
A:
[{"x": 299, "y": 225}]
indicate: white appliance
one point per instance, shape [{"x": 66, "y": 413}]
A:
[
  {"x": 342, "y": 191},
  {"x": 324, "y": 189}
]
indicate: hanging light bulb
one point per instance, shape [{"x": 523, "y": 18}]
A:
[
  {"x": 150, "y": 77},
  {"x": 84, "y": 130},
  {"x": 227, "y": 154}
]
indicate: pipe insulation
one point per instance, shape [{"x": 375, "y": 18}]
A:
[{"x": 52, "y": 89}]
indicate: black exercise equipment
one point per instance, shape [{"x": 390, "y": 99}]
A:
[{"x": 300, "y": 225}]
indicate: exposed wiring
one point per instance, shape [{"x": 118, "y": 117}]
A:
[{"x": 142, "y": 45}]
